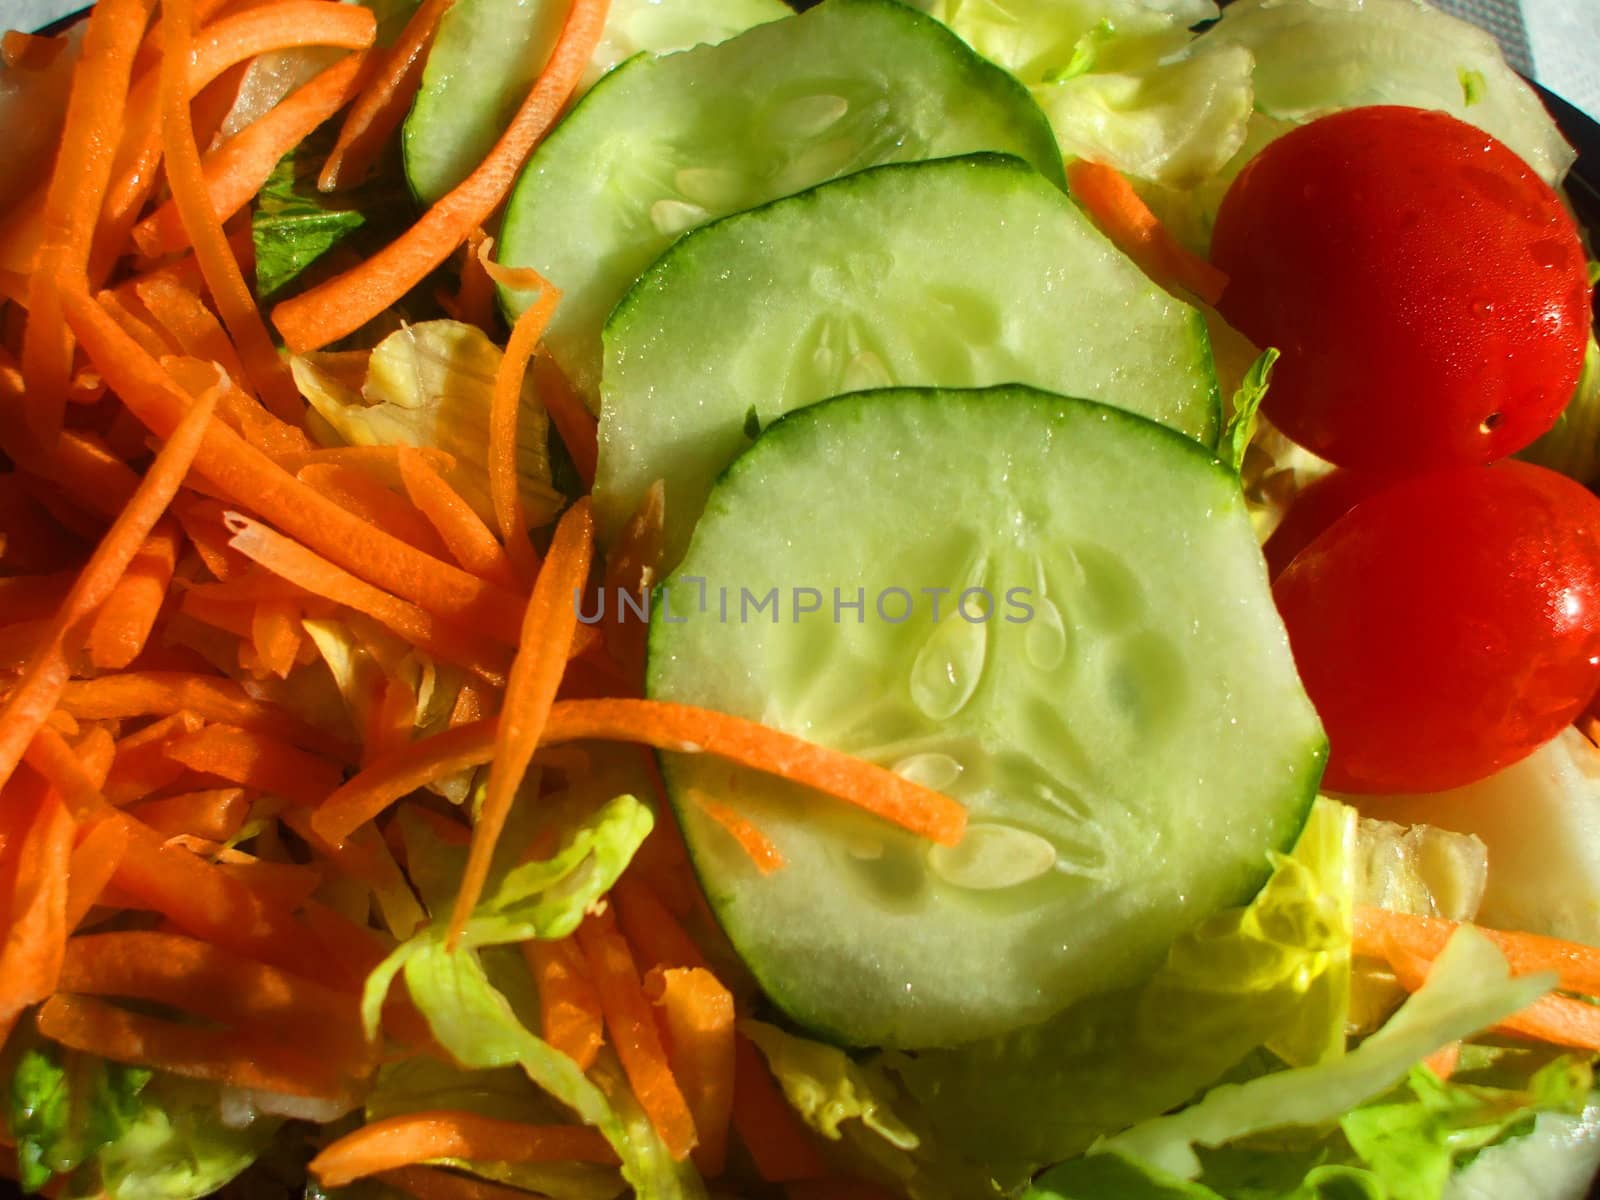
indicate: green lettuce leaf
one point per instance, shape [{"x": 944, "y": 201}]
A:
[
  {"x": 63, "y": 1106},
  {"x": 128, "y": 1132},
  {"x": 1407, "y": 1144},
  {"x": 295, "y": 227},
  {"x": 1275, "y": 972},
  {"x": 1246, "y": 404},
  {"x": 1572, "y": 446},
  {"x": 1122, "y": 81},
  {"x": 1469, "y": 989},
  {"x": 1316, "y": 56}
]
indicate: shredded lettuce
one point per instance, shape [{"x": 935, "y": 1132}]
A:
[
  {"x": 1275, "y": 972},
  {"x": 1468, "y": 990},
  {"x": 1407, "y": 1144},
  {"x": 1572, "y": 446},
  {"x": 431, "y": 385},
  {"x": 1247, "y": 400},
  {"x": 130, "y": 1133}
]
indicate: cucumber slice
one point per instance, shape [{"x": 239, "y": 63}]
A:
[
  {"x": 958, "y": 273},
  {"x": 487, "y": 54},
  {"x": 671, "y": 143},
  {"x": 1129, "y": 754}
]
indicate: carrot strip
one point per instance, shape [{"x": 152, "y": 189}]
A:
[
  {"x": 29, "y": 51},
  {"x": 1443, "y": 1061},
  {"x": 506, "y": 400},
  {"x": 547, "y": 633},
  {"x": 258, "y": 762},
  {"x": 464, "y": 534},
  {"x": 203, "y": 225},
  {"x": 1380, "y": 933},
  {"x": 30, "y": 957},
  {"x": 89, "y": 471},
  {"x": 575, "y": 425},
  {"x": 778, "y": 1141},
  {"x": 698, "y": 1013},
  {"x": 383, "y": 102},
  {"x": 322, "y": 578},
  {"x": 632, "y": 1026},
  {"x": 216, "y": 814},
  {"x": 31, "y": 597},
  {"x": 473, "y": 302},
  {"x": 286, "y": 886},
  {"x": 94, "y": 861},
  {"x": 45, "y": 677},
  {"x": 248, "y": 1059},
  {"x": 236, "y": 170},
  {"x": 205, "y": 981},
  {"x": 362, "y": 493},
  {"x": 243, "y": 472},
  {"x": 421, "y": 1136},
  {"x": 345, "y": 303},
  {"x": 653, "y": 932},
  {"x": 191, "y": 327},
  {"x": 125, "y": 621},
  {"x": 141, "y": 765},
  {"x": 1122, "y": 216},
  {"x": 430, "y": 1183},
  {"x": 275, "y": 636},
  {"x": 761, "y": 850},
  {"x": 570, "y": 1018},
  {"x": 77, "y": 187},
  {"x": 675, "y": 727},
  {"x": 134, "y": 694}
]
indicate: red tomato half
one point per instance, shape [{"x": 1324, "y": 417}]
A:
[
  {"x": 1426, "y": 289},
  {"x": 1448, "y": 625}
]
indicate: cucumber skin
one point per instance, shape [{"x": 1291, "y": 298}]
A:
[
  {"x": 683, "y": 254},
  {"x": 719, "y": 896},
  {"x": 1036, "y": 144}
]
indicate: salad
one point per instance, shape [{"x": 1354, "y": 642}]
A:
[{"x": 679, "y": 598}]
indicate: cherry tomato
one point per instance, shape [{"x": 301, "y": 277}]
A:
[
  {"x": 1448, "y": 625},
  {"x": 1314, "y": 509},
  {"x": 1426, "y": 289}
]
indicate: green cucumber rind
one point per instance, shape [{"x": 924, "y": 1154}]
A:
[{"x": 721, "y": 897}]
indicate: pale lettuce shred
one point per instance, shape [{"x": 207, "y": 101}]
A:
[{"x": 429, "y": 385}]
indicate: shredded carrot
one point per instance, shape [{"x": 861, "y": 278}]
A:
[
  {"x": 778, "y": 1141},
  {"x": 547, "y": 633},
  {"x": 569, "y": 1007},
  {"x": 29, "y": 51},
  {"x": 45, "y": 677},
  {"x": 632, "y": 1026},
  {"x": 631, "y": 569},
  {"x": 236, "y": 170},
  {"x": 1555, "y": 1019},
  {"x": 259, "y": 762},
  {"x": 322, "y": 578},
  {"x": 368, "y": 497},
  {"x": 275, "y": 636},
  {"x": 1380, "y": 933},
  {"x": 300, "y": 511},
  {"x": 140, "y": 764},
  {"x": 651, "y": 929},
  {"x": 1123, "y": 217},
  {"x": 575, "y": 425},
  {"x": 758, "y": 847},
  {"x": 421, "y": 1136},
  {"x": 239, "y": 1058},
  {"x": 77, "y": 187},
  {"x": 203, "y": 225},
  {"x": 384, "y": 100},
  {"x": 94, "y": 861},
  {"x": 133, "y": 694},
  {"x": 36, "y": 939},
  {"x": 473, "y": 302},
  {"x": 1443, "y": 1061},
  {"x": 128, "y": 616},
  {"x": 675, "y": 727},
  {"x": 697, "y": 1011},
  {"x": 464, "y": 534},
  {"x": 190, "y": 326},
  {"x": 345, "y": 303},
  {"x": 87, "y": 469},
  {"x": 507, "y": 399},
  {"x": 216, "y": 814}
]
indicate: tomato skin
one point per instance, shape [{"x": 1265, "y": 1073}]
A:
[
  {"x": 1314, "y": 509},
  {"x": 1448, "y": 625},
  {"x": 1427, "y": 290}
]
